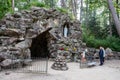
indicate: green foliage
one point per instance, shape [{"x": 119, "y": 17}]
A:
[
  {"x": 114, "y": 31},
  {"x": 50, "y": 3},
  {"x": 26, "y": 4},
  {"x": 23, "y": 5},
  {"x": 44, "y": 3},
  {"x": 94, "y": 26},
  {"x": 5, "y": 6},
  {"x": 63, "y": 10},
  {"x": 39, "y": 4},
  {"x": 72, "y": 17},
  {"x": 97, "y": 18},
  {"x": 110, "y": 41}
]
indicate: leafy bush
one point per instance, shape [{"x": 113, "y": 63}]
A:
[
  {"x": 5, "y": 6},
  {"x": 39, "y": 4},
  {"x": 65, "y": 11},
  {"x": 62, "y": 10},
  {"x": 112, "y": 42},
  {"x": 72, "y": 17}
]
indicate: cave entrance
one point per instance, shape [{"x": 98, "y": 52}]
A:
[{"x": 39, "y": 46}]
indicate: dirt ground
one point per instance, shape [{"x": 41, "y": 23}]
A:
[{"x": 109, "y": 71}]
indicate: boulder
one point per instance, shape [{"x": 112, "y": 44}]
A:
[{"x": 6, "y": 62}]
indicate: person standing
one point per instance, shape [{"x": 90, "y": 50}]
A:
[
  {"x": 104, "y": 54},
  {"x": 84, "y": 55},
  {"x": 101, "y": 56}
]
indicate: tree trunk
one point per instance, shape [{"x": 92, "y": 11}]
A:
[
  {"x": 75, "y": 8},
  {"x": 63, "y": 4},
  {"x": 73, "y": 5},
  {"x": 110, "y": 25},
  {"x": 13, "y": 5},
  {"x": 81, "y": 9},
  {"x": 117, "y": 2},
  {"x": 114, "y": 15},
  {"x": 51, "y": 3},
  {"x": 72, "y": 8},
  {"x": 86, "y": 14}
]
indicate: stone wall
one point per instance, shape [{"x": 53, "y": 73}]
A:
[
  {"x": 21, "y": 31},
  {"x": 113, "y": 55}
]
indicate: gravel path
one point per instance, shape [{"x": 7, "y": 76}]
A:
[{"x": 109, "y": 71}]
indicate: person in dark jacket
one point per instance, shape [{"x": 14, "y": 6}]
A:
[{"x": 101, "y": 56}]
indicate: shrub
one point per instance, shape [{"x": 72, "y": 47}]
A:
[
  {"x": 112, "y": 42},
  {"x": 39, "y": 4},
  {"x": 62, "y": 10}
]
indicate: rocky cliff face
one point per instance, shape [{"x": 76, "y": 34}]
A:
[{"x": 37, "y": 33}]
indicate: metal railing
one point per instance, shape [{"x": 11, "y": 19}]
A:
[{"x": 34, "y": 65}]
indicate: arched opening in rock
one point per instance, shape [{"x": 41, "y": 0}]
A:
[{"x": 39, "y": 47}]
